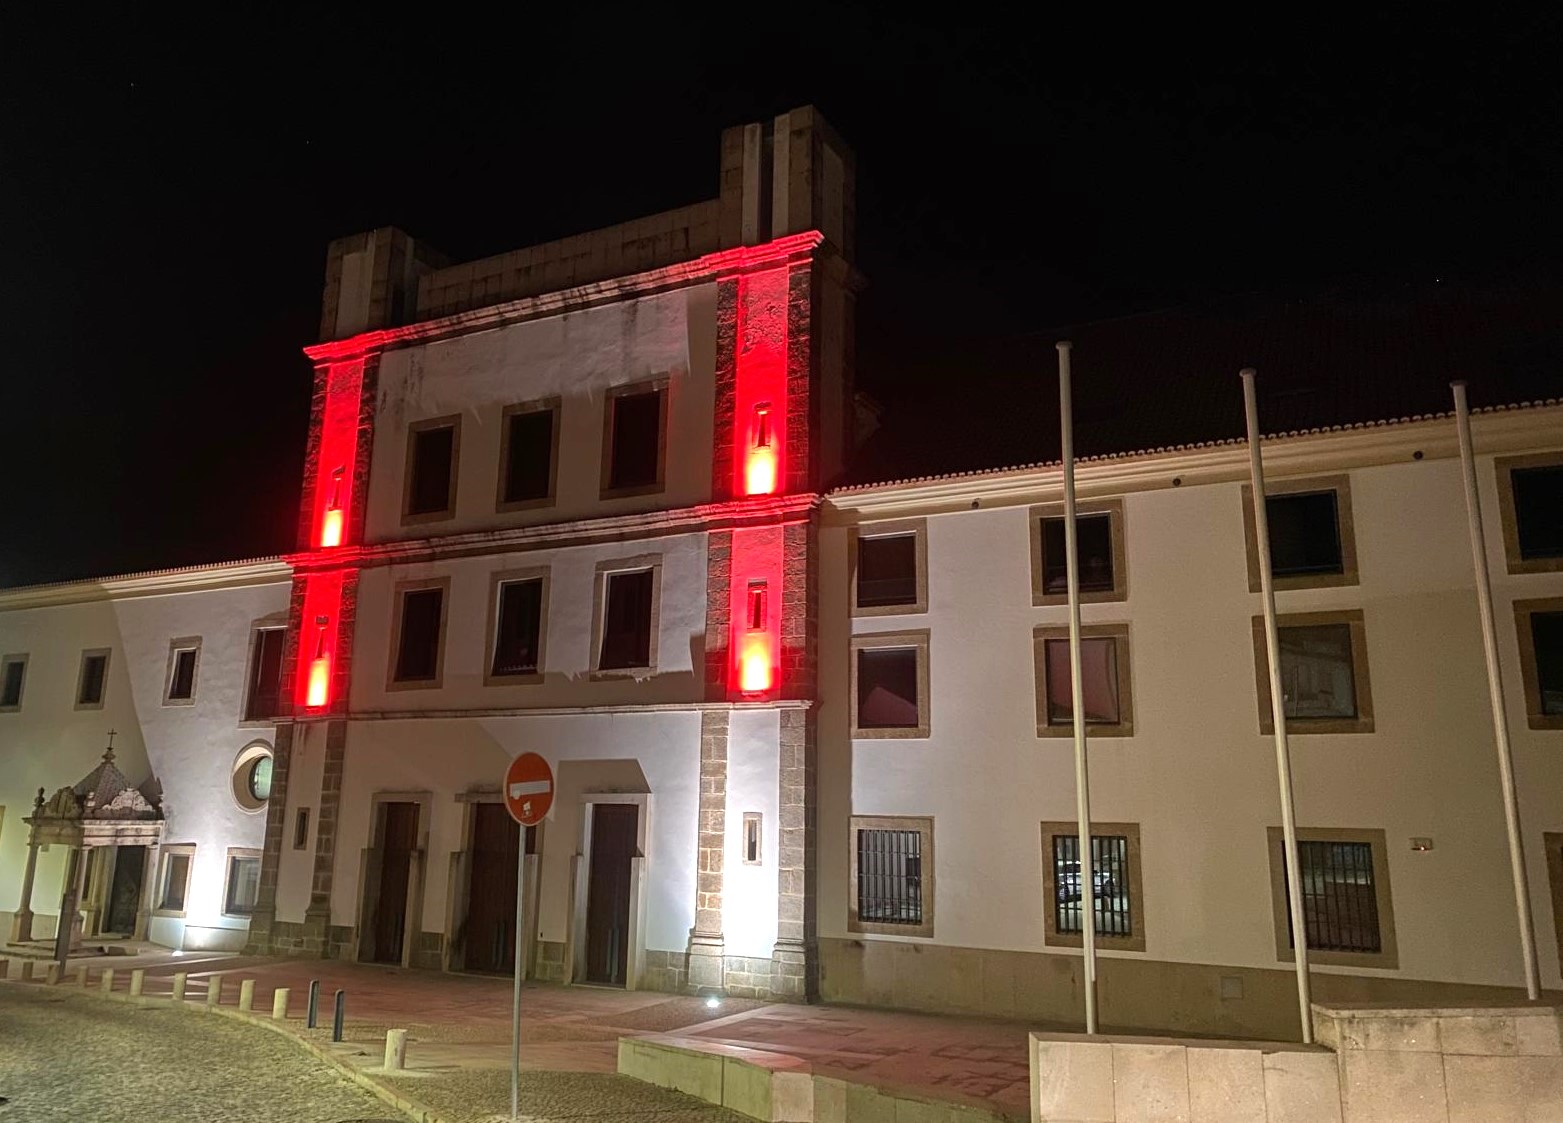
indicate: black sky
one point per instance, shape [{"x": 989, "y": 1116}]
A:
[{"x": 167, "y": 191}]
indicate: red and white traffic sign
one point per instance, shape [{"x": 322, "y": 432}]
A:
[{"x": 529, "y": 789}]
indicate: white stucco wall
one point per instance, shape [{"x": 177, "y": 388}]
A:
[
  {"x": 575, "y": 356},
  {"x": 191, "y": 749},
  {"x": 1197, "y": 775}
]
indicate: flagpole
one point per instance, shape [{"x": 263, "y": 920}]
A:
[
  {"x": 1500, "y": 721},
  {"x": 1283, "y": 754},
  {"x": 1087, "y": 863}
]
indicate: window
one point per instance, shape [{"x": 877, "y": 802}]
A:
[
  {"x": 1539, "y": 625},
  {"x": 516, "y": 608},
  {"x": 634, "y": 439},
  {"x": 433, "y": 447},
  {"x": 626, "y": 615},
  {"x": 1553, "y": 841},
  {"x": 420, "y": 634},
  {"x": 92, "y": 680},
  {"x": 1324, "y": 673},
  {"x": 1345, "y": 897},
  {"x": 891, "y": 876},
  {"x": 251, "y": 780},
  {"x": 301, "y": 828},
  {"x": 889, "y": 563},
  {"x": 242, "y": 893},
  {"x": 264, "y": 697},
  {"x": 1312, "y": 543},
  {"x": 182, "y": 657},
  {"x": 1115, "y": 885},
  {"x": 1530, "y": 501},
  {"x": 1104, "y": 681},
  {"x": 174, "y": 878},
  {"x": 890, "y": 685},
  {"x": 528, "y": 455},
  {"x": 1103, "y": 565},
  {"x": 751, "y": 838},
  {"x": 13, "y": 675}
]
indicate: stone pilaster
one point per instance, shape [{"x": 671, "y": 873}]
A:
[
  {"x": 265, "y": 914},
  {"x": 317, "y": 918},
  {"x": 794, "y": 960},
  {"x": 707, "y": 951}
]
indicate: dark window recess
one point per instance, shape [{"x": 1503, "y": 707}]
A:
[
  {"x": 1340, "y": 904},
  {"x": 1317, "y": 676},
  {"x": 890, "y": 876},
  {"x": 635, "y": 458},
  {"x": 1109, "y": 884},
  {"x": 529, "y": 469},
  {"x": 176, "y": 875},
  {"x": 887, "y": 570},
  {"x": 887, "y": 688},
  {"x": 1304, "y": 534},
  {"x": 1098, "y": 681},
  {"x": 11, "y": 687},
  {"x": 181, "y": 680},
  {"x": 265, "y": 675},
  {"x": 519, "y": 627},
  {"x": 1546, "y": 632},
  {"x": 243, "y": 886},
  {"x": 429, "y": 489},
  {"x": 1094, "y": 538},
  {"x": 626, "y": 621},
  {"x": 93, "y": 671},
  {"x": 418, "y": 652},
  {"x": 301, "y": 828},
  {"x": 1538, "y": 510}
]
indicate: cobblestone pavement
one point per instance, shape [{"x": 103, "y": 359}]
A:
[{"x": 72, "y": 1057}]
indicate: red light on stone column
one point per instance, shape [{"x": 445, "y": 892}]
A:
[
  {"x": 331, "y": 525},
  {"x": 754, "y": 672},
  {"x": 760, "y": 467},
  {"x": 319, "y": 668}
]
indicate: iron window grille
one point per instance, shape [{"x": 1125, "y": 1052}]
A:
[
  {"x": 890, "y": 876},
  {"x": 1339, "y": 897},
  {"x": 1109, "y": 880}
]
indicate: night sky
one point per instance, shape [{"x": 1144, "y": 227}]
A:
[{"x": 167, "y": 193}]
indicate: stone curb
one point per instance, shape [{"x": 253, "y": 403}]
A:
[{"x": 414, "y": 1110}]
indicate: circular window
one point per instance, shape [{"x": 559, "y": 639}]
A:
[{"x": 252, "y": 776}]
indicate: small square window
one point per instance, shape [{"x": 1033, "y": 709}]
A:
[
  {"x": 175, "y": 880},
  {"x": 887, "y": 571},
  {"x": 1100, "y": 542},
  {"x": 92, "y": 681},
  {"x": 243, "y": 889},
  {"x": 892, "y": 876},
  {"x": 420, "y": 635},
  {"x": 183, "y": 656},
  {"x": 1114, "y": 877},
  {"x": 263, "y": 698},
  {"x": 432, "y": 450},
  {"x": 1324, "y": 673},
  {"x": 634, "y": 439},
  {"x": 887, "y": 691},
  {"x": 1530, "y": 500},
  {"x": 1104, "y": 681},
  {"x": 1345, "y": 897},
  {"x": 529, "y": 456},
  {"x": 1539, "y": 624},
  {"x": 626, "y": 621},
  {"x": 518, "y": 629},
  {"x": 1312, "y": 541},
  {"x": 13, "y": 676}
]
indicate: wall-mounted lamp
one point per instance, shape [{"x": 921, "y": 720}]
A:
[
  {"x": 319, "y": 667},
  {"x": 331, "y": 525}
]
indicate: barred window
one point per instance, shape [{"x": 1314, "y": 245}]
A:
[
  {"x": 892, "y": 874},
  {"x": 1109, "y": 882},
  {"x": 1340, "y": 900}
]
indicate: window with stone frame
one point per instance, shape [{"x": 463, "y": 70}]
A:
[
  {"x": 517, "y": 642},
  {"x": 1117, "y": 900},
  {"x": 1099, "y": 526},
  {"x": 92, "y": 679},
  {"x": 1105, "y": 681},
  {"x": 1324, "y": 672},
  {"x": 433, "y": 451},
  {"x": 1312, "y": 533},
  {"x": 174, "y": 878},
  {"x": 889, "y": 563},
  {"x": 420, "y": 633},
  {"x": 242, "y": 892},
  {"x": 13, "y": 677},
  {"x": 626, "y": 620},
  {"x": 529, "y": 455},
  {"x": 1538, "y": 625},
  {"x": 1530, "y": 502},
  {"x": 892, "y": 876},
  {"x": 183, "y": 660},
  {"x": 263, "y": 693},
  {"x": 1347, "y": 907},
  {"x": 890, "y": 684},
  {"x": 635, "y": 439}
]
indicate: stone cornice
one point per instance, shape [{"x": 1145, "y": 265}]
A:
[
  {"x": 224, "y": 575},
  {"x": 1506, "y": 430},
  {"x": 708, "y": 267},
  {"x": 555, "y": 711}
]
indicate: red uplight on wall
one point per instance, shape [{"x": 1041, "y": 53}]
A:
[
  {"x": 755, "y": 612},
  {"x": 333, "y": 466},
  {"x": 760, "y": 467},
  {"x": 760, "y": 383},
  {"x": 331, "y": 527},
  {"x": 315, "y": 665},
  {"x": 319, "y": 667}
]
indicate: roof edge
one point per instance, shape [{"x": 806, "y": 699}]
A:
[{"x": 151, "y": 582}]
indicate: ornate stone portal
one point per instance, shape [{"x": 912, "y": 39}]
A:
[{"x": 103, "y": 810}]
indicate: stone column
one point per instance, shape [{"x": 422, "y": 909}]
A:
[
  {"x": 144, "y": 907},
  {"x": 265, "y": 914},
  {"x": 22, "y": 920},
  {"x": 317, "y": 918},
  {"x": 707, "y": 951},
  {"x": 794, "y": 967}
]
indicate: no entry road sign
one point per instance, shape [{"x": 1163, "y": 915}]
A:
[{"x": 529, "y": 789}]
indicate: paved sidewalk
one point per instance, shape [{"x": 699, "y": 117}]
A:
[{"x": 459, "y": 1029}]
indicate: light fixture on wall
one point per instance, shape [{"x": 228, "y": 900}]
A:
[
  {"x": 754, "y": 667},
  {"x": 331, "y": 525},
  {"x": 760, "y": 468},
  {"x": 319, "y": 667}
]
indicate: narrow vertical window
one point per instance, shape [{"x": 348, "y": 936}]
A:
[
  {"x": 301, "y": 828},
  {"x": 530, "y": 441},
  {"x": 432, "y": 449},
  {"x": 627, "y": 611},
  {"x": 183, "y": 657},
  {"x": 418, "y": 640},
  {"x": 265, "y": 686},
  {"x": 635, "y": 432},
  {"x": 93, "y": 679},
  {"x": 751, "y": 839},
  {"x": 13, "y": 673},
  {"x": 757, "y": 606},
  {"x": 518, "y": 628}
]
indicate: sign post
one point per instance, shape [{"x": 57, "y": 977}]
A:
[{"x": 529, "y": 793}]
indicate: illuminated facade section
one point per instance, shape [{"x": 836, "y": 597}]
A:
[
  {"x": 319, "y": 633},
  {"x": 336, "y": 460},
  {"x": 755, "y": 611},
  {"x": 760, "y": 390}
]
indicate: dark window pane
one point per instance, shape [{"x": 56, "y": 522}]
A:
[
  {"x": 175, "y": 878},
  {"x": 637, "y": 432},
  {"x": 417, "y": 655},
  {"x": 1098, "y": 681},
  {"x": 887, "y": 570},
  {"x": 890, "y": 876},
  {"x": 518, "y": 628},
  {"x": 1304, "y": 534},
  {"x": 1538, "y": 509},
  {"x": 531, "y": 442},
  {"x": 1109, "y": 879},
  {"x": 1316, "y": 671},
  {"x": 1546, "y": 630},
  {"x": 431, "y": 468},
  {"x": 887, "y": 688},
  {"x": 266, "y": 672},
  {"x": 93, "y": 668},
  {"x": 181, "y": 684},
  {"x": 1340, "y": 907},
  {"x": 243, "y": 885},
  {"x": 11, "y": 688},
  {"x": 626, "y": 627},
  {"x": 1094, "y": 534}
]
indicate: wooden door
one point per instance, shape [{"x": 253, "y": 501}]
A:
[
  {"x": 491, "y": 890},
  {"x": 398, "y": 841},
  {"x": 125, "y": 889},
  {"x": 608, "y": 892}
]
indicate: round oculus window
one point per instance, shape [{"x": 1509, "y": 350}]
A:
[
  {"x": 252, "y": 771},
  {"x": 259, "y": 779}
]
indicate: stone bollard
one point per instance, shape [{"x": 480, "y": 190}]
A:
[
  {"x": 81, "y": 975},
  {"x": 214, "y": 991},
  {"x": 138, "y": 979},
  {"x": 106, "y": 980},
  {"x": 395, "y": 1050},
  {"x": 279, "y": 1004},
  {"x": 5, "y": 967},
  {"x": 51, "y": 974},
  {"x": 246, "y": 996},
  {"x": 27, "y": 970},
  {"x": 180, "y": 979}
]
